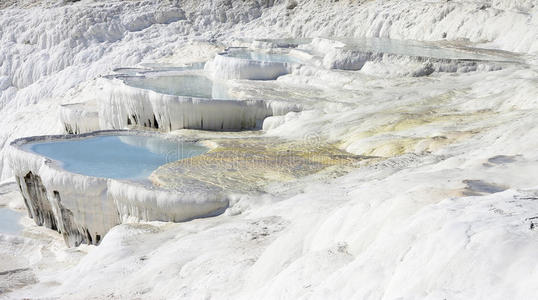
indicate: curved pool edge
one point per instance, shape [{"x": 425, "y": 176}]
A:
[
  {"x": 84, "y": 208},
  {"x": 122, "y": 105},
  {"x": 227, "y": 67}
]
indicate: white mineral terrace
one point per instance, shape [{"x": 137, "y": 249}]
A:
[
  {"x": 168, "y": 97},
  {"x": 286, "y": 149},
  {"x": 80, "y": 117},
  {"x": 377, "y": 56},
  {"x": 167, "y": 101},
  {"x": 238, "y": 63},
  {"x": 83, "y": 185},
  {"x": 180, "y": 101}
]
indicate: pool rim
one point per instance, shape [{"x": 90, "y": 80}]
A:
[{"x": 19, "y": 144}]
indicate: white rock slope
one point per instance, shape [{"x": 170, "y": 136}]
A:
[{"x": 448, "y": 211}]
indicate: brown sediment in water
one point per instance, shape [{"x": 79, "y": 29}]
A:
[{"x": 242, "y": 165}]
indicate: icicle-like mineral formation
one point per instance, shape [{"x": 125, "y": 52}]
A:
[
  {"x": 84, "y": 208},
  {"x": 122, "y": 105}
]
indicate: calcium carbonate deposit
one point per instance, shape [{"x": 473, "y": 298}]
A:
[{"x": 268, "y": 149}]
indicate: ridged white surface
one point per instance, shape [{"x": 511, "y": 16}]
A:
[
  {"x": 447, "y": 215},
  {"x": 118, "y": 102},
  {"x": 226, "y": 67}
]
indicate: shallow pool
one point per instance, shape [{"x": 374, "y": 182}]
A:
[
  {"x": 9, "y": 221},
  {"x": 119, "y": 156},
  {"x": 416, "y": 48},
  {"x": 155, "y": 68},
  {"x": 261, "y": 56},
  {"x": 180, "y": 85}
]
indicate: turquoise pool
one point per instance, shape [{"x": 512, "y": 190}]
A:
[{"x": 117, "y": 156}]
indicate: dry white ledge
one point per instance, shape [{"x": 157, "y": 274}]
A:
[
  {"x": 224, "y": 66},
  {"x": 80, "y": 117}
]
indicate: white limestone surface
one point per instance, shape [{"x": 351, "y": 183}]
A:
[
  {"x": 80, "y": 117},
  {"x": 225, "y": 66},
  {"x": 449, "y": 213},
  {"x": 121, "y": 105}
]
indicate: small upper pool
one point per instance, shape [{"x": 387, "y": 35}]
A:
[
  {"x": 9, "y": 221},
  {"x": 155, "y": 68},
  {"x": 262, "y": 56},
  {"x": 197, "y": 86},
  {"x": 417, "y": 48},
  {"x": 116, "y": 156}
]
